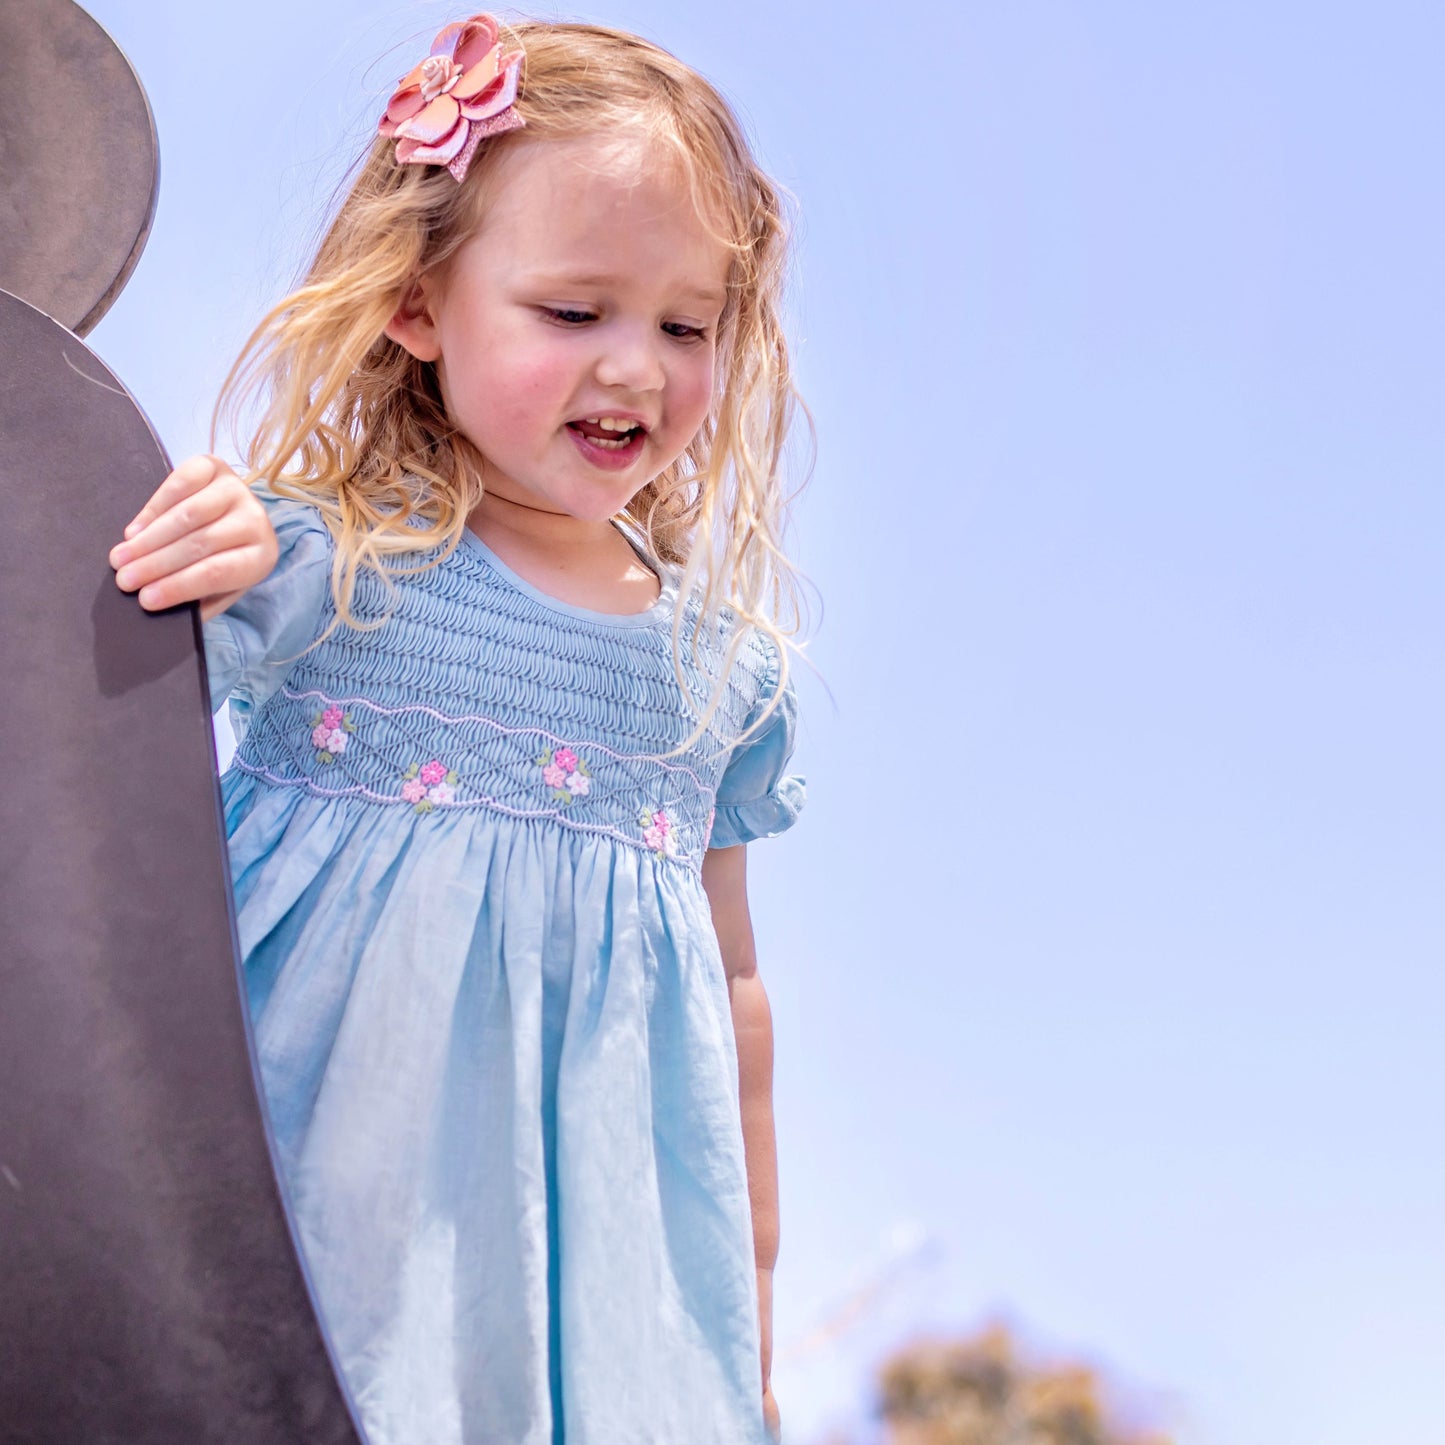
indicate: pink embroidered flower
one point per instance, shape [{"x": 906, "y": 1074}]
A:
[
  {"x": 462, "y": 92},
  {"x": 565, "y": 773},
  {"x": 331, "y": 730},
  {"x": 426, "y": 785},
  {"x": 658, "y": 834}
]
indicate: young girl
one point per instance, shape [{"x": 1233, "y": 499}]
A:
[{"x": 502, "y": 644}]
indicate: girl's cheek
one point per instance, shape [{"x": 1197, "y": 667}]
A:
[
  {"x": 696, "y": 396},
  {"x": 510, "y": 392},
  {"x": 535, "y": 375}
]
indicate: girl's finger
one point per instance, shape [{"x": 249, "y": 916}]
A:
[
  {"x": 233, "y": 571},
  {"x": 230, "y": 530},
  {"x": 182, "y": 518},
  {"x": 188, "y": 478}
]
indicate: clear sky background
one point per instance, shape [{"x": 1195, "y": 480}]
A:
[{"x": 1107, "y": 958}]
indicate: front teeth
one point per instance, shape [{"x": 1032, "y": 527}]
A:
[{"x": 612, "y": 423}]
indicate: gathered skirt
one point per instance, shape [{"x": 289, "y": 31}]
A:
[{"x": 499, "y": 1067}]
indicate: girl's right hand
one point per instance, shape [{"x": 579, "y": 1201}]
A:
[{"x": 202, "y": 537}]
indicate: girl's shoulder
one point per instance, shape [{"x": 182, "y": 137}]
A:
[
  {"x": 750, "y": 655},
  {"x": 247, "y": 646},
  {"x": 295, "y": 522}
]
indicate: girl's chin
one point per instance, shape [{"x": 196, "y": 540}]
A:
[
  {"x": 598, "y": 500},
  {"x": 603, "y": 511}
]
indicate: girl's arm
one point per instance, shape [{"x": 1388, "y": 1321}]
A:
[
  {"x": 202, "y": 537},
  {"x": 724, "y": 876}
]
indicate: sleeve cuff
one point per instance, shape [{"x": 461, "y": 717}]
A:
[{"x": 764, "y": 817}]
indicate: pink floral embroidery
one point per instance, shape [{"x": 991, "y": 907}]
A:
[
  {"x": 658, "y": 833},
  {"x": 330, "y": 730},
  {"x": 565, "y": 773},
  {"x": 428, "y": 785}
]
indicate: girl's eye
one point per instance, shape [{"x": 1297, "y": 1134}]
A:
[
  {"x": 569, "y": 317},
  {"x": 683, "y": 332}
]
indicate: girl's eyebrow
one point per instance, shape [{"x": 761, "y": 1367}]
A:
[{"x": 714, "y": 295}]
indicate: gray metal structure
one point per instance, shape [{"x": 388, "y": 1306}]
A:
[
  {"x": 150, "y": 1288},
  {"x": 79, "y": 171}
]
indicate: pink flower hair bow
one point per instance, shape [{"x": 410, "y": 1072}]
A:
[{"x": 461, "y": 93}]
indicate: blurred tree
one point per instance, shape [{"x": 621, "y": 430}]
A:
[{"x": 979, "y": 1392}]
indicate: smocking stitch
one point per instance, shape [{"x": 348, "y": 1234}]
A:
[
  {"x": 476, "y": 717},
  {"x": 470, "y": 696},
  {"x": 494, "y": 805}
]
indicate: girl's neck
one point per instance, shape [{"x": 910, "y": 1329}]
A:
[
  {"x": 497, "y": 517},
  {"x": 582, "y": 563}
]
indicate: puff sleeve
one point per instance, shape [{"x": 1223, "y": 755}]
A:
[
  {"x": 252, "y": 645},
  {"x": 757, "y": 798}
]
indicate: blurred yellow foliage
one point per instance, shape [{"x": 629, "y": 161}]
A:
[{"x": 978, "y": 1391}]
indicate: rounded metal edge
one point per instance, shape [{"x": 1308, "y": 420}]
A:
[{"x": 88, "y": 322}]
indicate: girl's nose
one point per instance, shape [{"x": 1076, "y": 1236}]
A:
[{"x": 631, "y": 359}]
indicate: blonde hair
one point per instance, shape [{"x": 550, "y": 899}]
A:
[{"x": 352, "y": 422}]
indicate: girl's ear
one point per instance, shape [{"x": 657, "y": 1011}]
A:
[{"x": 412, "y": 326}]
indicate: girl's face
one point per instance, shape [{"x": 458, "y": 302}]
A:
[{"x": 575, "y": 332}]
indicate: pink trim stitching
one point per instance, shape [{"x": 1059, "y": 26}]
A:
[{"x": 481, "y": 801}]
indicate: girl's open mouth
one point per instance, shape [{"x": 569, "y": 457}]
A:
[
  {"x": 608, "y": 441},
  {"x": 609, "y": 433}
]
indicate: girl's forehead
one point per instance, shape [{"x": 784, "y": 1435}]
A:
[
  {"x": 590, "y": 196},
  {"x": 625, "y": 153}
]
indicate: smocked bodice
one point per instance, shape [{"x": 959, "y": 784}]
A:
[{"x": 478, "y": 693}]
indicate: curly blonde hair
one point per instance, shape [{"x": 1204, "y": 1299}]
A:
[{"x": 352, "y": 422}]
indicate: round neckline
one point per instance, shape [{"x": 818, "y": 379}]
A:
[{"x": 661, "y": 608}]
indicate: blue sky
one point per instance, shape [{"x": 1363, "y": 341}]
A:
[{"x": 1107, "y": 957}]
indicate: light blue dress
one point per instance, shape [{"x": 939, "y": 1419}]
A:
[{"x": 488, "y": 1002}]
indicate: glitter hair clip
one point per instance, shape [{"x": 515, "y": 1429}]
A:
[{"x": 461, "y": 93}]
